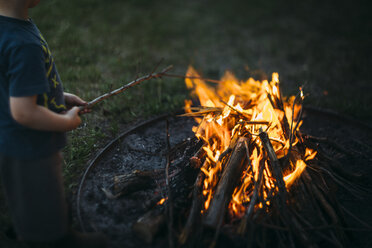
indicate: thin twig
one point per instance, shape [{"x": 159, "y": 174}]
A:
[
  {"x": 157, "y": 65},
  {"x": 254, "y": 198},
  {"x": 170, "y": 205},
  {"x": 330, "y": 143},
  {"x": 292, "y": 131},
  {"x": 231, "y": 107},
  {"x": 125, "y": 87}
]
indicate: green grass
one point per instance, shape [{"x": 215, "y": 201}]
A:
[{"x": 99, "y": 45}]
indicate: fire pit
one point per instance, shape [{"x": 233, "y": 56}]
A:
[{"x": 250, "y": 178}]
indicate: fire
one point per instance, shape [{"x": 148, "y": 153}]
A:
[
  {"x": 236, "y": 109},
  {"x": 161, "y": 201}
]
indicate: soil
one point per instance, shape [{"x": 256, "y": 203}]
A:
[{"x": 144, "y": 148}]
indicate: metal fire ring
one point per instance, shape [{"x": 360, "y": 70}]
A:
[
  {"x": 326, "y": 113},
  {"x": 99, "y": 156}
]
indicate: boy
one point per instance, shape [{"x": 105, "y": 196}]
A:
[{"x": 34, "y": 114}]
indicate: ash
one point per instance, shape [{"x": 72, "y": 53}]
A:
[{"x": 145, "y": 149}]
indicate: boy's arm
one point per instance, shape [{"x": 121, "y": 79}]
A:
[{"x": 26, "y": 112}]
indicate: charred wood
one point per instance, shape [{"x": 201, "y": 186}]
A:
[
  {"x": 257, "y": 185},
  {"x": 149, "y": 225},
  {"x": 275, "y": 165},
  {"x": 196, "y": 160},
  {"x": 226, "y": 185},
  {"x": 196, "y": 207},
  {"x": 132, "y": 182}
]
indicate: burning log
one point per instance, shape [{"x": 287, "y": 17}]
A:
[
  {"x": 255, "y": 198},
  {"x": 229, "y": 179},
  {"x": 196, "y": 207},
  {"x": 267, "y": 196},
  {"x": 274, "y": 164},
  {"x": 196, "y": 160}
]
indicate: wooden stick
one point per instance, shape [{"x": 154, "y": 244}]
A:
[
  {"x": 125, "y": 87},
  {"x": 288, "y": 219},
  {"x": 196, "y": 207},
  {"x": 257, "y": 185},
  {"x": 284, "y": 123},
  {"x": 274, "y": 164},
  {"x": 322, "y": 200},
  {"x": 230, "y": 177},
  {"x": 170, "y": 204},
  {"x": 330, "y": 143},
  {"x": 196, "y": 160},
  {"x": 134, "y": 181},
  {"x": 148, "y": 225},
  {"x": 293, "y": 131}
]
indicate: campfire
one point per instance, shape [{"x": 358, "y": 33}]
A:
[
  {"x": 250, "y": 177},
  {"x": 251, "y": 143}
]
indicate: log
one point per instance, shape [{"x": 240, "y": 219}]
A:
[
  {"x": 196, "y": 207},
  {"x": 134, "y": 181},
  {"x": 229, "y": 179},
  {"x": 148, "y": 225},
  {"x": 169, "y": 207},
  {"x": 275, "y": 165},
  {"x": 248, "y": 214},
  {"x": 196, "y": 160},
  {"x": 130, "y": 183},
  {"x": 155, "y": 220},
  {"x": 290, "y": 221}
]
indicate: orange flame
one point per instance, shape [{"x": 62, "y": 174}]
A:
[
  {"x": 240, "y": 108},
  {"x": 162, "y": 200}
]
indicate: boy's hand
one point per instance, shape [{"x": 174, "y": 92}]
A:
[
  {"x": 73, "y": 117},
  {"x": 72, "y": 100}
]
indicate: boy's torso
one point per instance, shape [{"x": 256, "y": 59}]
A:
[{"x": 27, "y": 68}]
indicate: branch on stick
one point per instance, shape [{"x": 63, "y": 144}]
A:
[{"x": 125, "y": 87}]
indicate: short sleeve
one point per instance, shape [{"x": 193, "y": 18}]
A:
[{"x": 27, "y": 73}]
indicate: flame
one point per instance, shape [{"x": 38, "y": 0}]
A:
[
  {"x": 162, "y": 200},
  {"x": 241, "y": 108}
]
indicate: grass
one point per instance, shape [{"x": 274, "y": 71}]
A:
[{"x": 98, "y": 45}]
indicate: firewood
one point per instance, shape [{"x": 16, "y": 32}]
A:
[
  {"x": 196, "y": 207},
  {"x": 129, "y": 183},
  {"x": 149, "y": 225},
  {"x": 285, "y": 125},
  {"x": 169, "y": 206},
  {"x": 229, "y": 179},
  {"x": 196, "y": 160},
  {"x": 254, "y": 199},
  {"x": 134, "y": 181},
  {"x": 290, "y": 221},
  {"x": 322, "y": 200},
  {"x": 275, "y": 165}
]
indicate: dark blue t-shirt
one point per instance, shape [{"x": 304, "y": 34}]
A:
[{"x": 26, "y": 69}]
